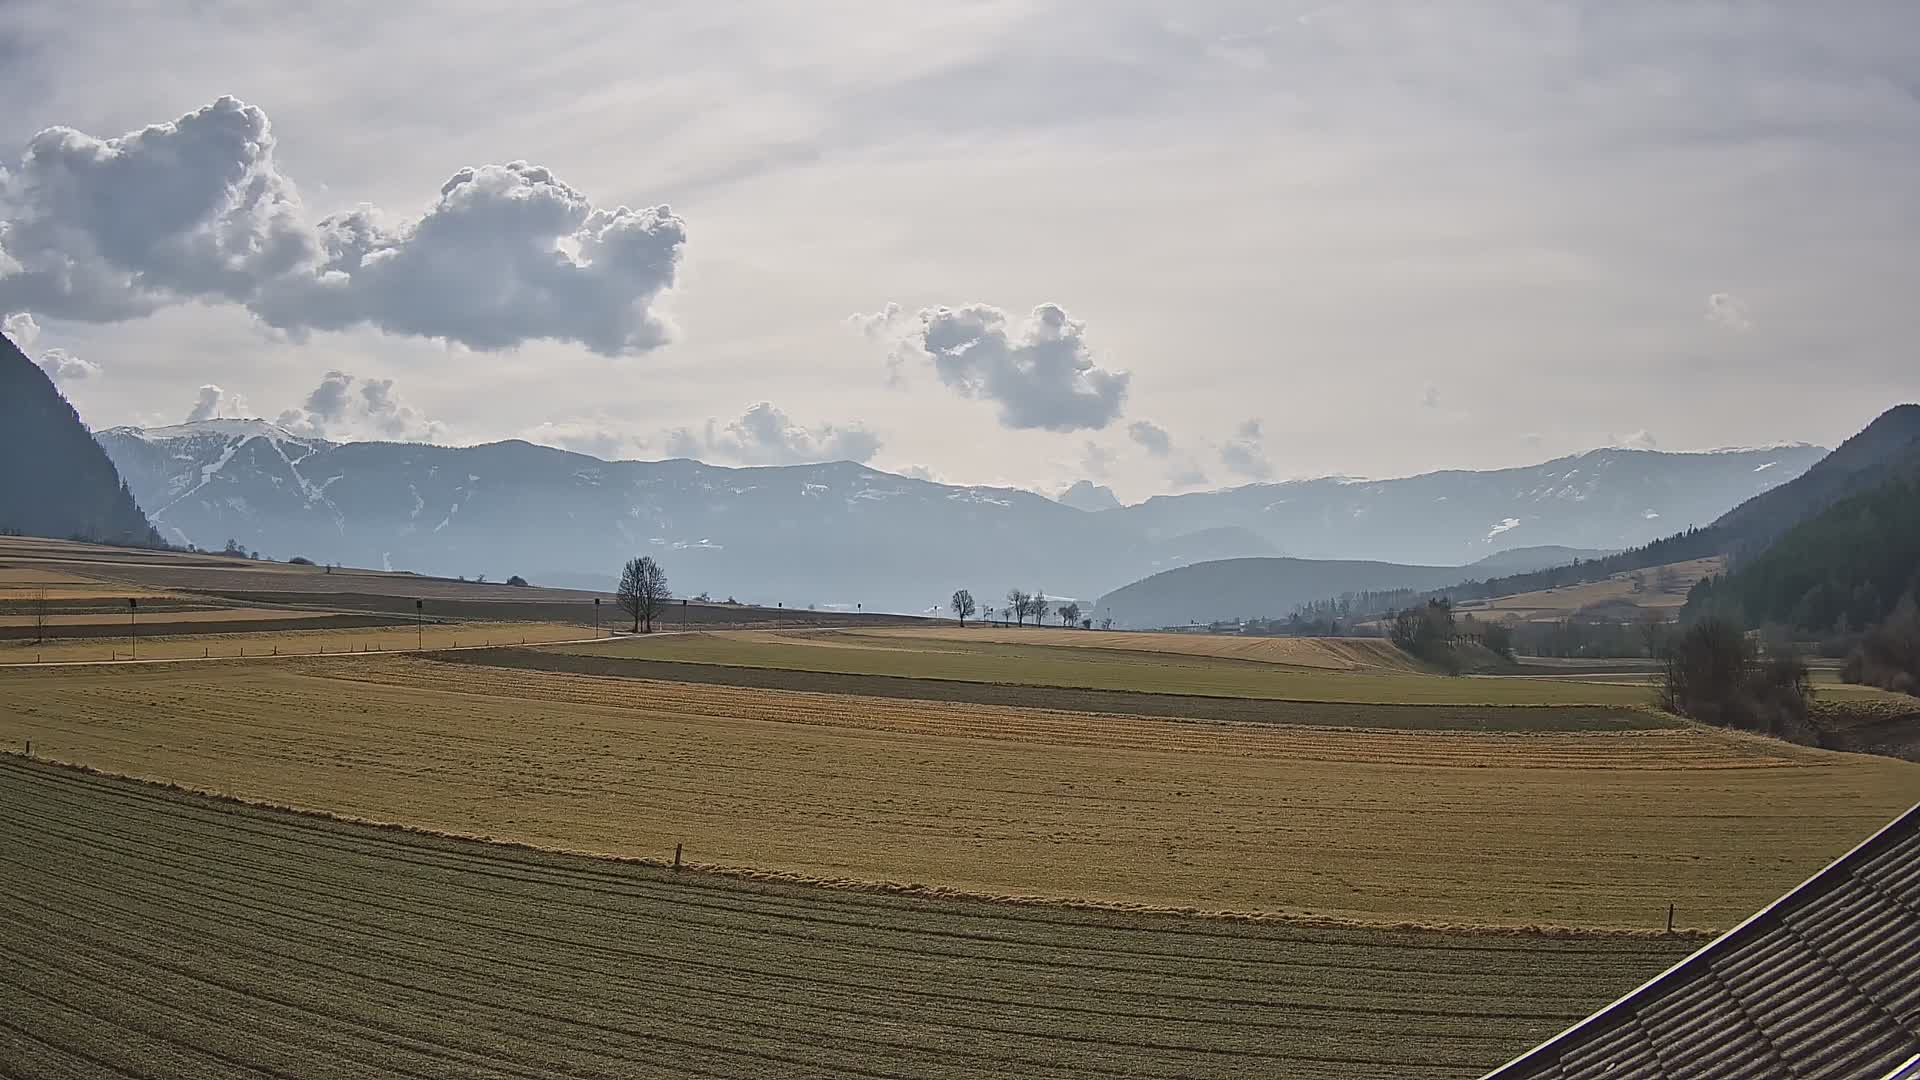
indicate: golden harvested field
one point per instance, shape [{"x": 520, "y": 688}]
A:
[
  {"x": 947, "y": 656},
  {"x": 1589, "y": 830},
  {"x": 171, "y": 937},
  {"x": 1321, "y": 654},
  {"x": 28, "y": 583},
  {"x": 1616, "y": 592},
  {"x": 172, "y": 618},
  {"x": 286, "y": 642}
]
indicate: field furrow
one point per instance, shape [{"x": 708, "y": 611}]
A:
[
  {"x": 272, "y": 944},
  {"x": 1582, "y": 829}
]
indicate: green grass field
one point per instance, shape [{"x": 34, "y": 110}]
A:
[
  {"x": 944, "y": 658},
  {"x": 161, "y": 935}
]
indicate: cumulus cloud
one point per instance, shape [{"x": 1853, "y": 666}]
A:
[
  {"x": 1151, "y": 436},
  {"x": 1245, "y": 453},
  {"x": 63, "y": 367},
  {"x": 1636, "y": 440},
  {"x": 22, "y": 329},
  {"x": 198, "y": 210},
  {"x": 1040, "y": 372},
  {"x": 1096, "y": 460},
  {"x": 60, "y": 365},
  {"x": 342, "y": 406},
  {"x": 764, "y": 435},
  {"x": 215, "y": 403},
  {"x": 1430, "y": 396},
  {"x": 1729, "y": 312},
  {"x": 606, "y": 439},
  {"x": 920, "y": 472}
]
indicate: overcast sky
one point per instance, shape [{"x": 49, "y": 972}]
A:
[{"x": 1162, "y": 246}]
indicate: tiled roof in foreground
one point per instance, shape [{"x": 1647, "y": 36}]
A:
[{"x": 1824, "y": 982}]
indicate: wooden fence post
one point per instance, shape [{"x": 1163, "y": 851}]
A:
[
  {"x": 1669, "y": 918},
  {"x": 676, "y": 856}
]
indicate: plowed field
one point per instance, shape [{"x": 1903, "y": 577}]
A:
[
  {"x": 1588, "y": 830},
  {"x": 170, "y": 937}
]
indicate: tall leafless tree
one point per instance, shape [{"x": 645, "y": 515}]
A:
[
  {"x": 1019, "y": 603},
  {"x": 963, "y": 605},
  {"x": 643, "y": 591},
  {"x": 1069, "y": 614}
]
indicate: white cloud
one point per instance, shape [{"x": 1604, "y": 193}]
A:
[
  {"x": 1151, "y": 436},
  {"x": 1635, "y": 440},
  {"x": 198, "y": 209},
  {"x": 1041, "y": 373},
  {"x": 508, "y": 253},
  {"x": 22, "y": 329},
  {"x": 1245, "y": 454},
  {"x": 1728, "y": 311},
  {"x": 346, "y": 408},
  {"x": 215, "y": 403},
  {"x": 1430, "y": 396},
  {"x": 61, "y": 366},
  {"x": 606, "y": 439},
  {"x": 764, "y": 435}
]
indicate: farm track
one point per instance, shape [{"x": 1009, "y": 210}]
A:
[
  {"x": 1470, "y": 829},
  {"x": 274, "y": 944},
  {"x": 586, "y": 660}
]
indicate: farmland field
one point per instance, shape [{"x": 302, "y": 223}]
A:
[
  {"x": 343, "y": 633},
  {"x": 1572, "y": 829},
  {"x": 596, "y": 661},
  {"x": 269, "y": 943},
  {"x": 941, "y": 655}
]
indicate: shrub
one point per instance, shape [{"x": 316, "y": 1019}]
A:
[
  {"x": 1714, "y": 673},
  {"x": 1888, "y": 655}
]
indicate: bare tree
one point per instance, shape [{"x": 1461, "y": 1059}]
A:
[
  {"x": 1069, "y": 614},
  {"x": 1019, "y": 603},
  {"x": 40, "y": 617},
  {"x": 643, "y": 591},
  {"x": 1037, "y": 605},
  {"x": 1653, "y": 628},
  {"x": 963, "y": 605}
]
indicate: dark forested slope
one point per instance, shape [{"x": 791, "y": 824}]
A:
[{"x": 54, "y": 479}]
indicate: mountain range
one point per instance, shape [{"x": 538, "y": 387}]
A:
[{"x": 845, "y": 534}]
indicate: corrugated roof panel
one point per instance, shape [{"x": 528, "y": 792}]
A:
[{"x": 1823, "y": 984}]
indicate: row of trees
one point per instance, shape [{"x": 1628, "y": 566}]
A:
[{"x": 1021, "y": 606}]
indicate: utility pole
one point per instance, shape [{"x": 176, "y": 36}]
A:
[
  {"x": 133, "y": 629},
  {"x": 596, "y": 616},
  {"x": 420, "y": 624}
]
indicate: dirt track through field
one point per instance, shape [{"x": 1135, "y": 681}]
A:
[
  {"x": 1584, "y": 830},
  {"x": 270, "y": 944}
]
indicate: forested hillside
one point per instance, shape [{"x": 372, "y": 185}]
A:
[
  {"x": 1844, "y": 569},
  {"x": 54, "y": 479}
]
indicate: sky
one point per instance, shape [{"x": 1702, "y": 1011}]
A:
[{"x": 1162, "y": 246}]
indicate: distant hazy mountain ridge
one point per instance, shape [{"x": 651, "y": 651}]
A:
[{"x": 843, "y": 533}]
